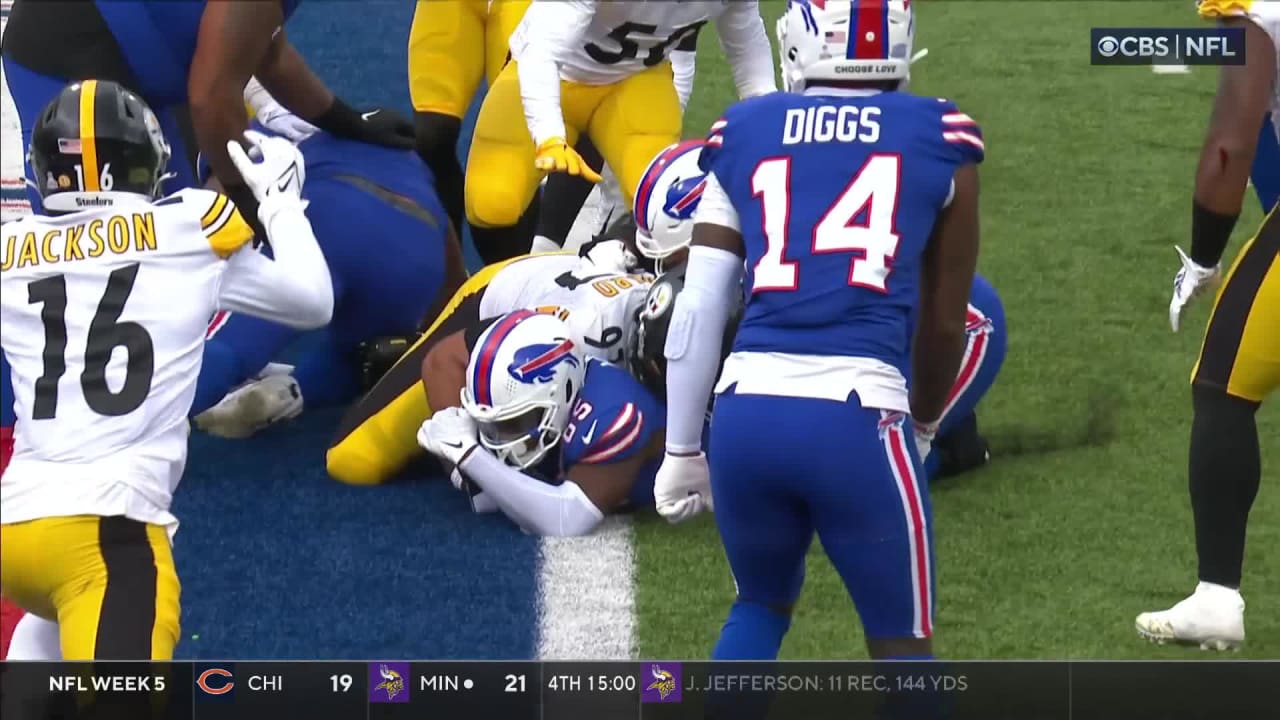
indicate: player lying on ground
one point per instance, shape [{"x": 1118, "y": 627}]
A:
[
  {"x": 190, "y": 61},
  {"x": 554, "y": 439},
  {"x": 376, "y": 438},
  {"x": 106, "y": 300},
  {"x": 394, "y": 260},
  {"x": 666, "y": 202},
  {"x": 824, "y": 341},
  {"x": 1239, "y": 362},
  {"x": 597, "y": 69}
]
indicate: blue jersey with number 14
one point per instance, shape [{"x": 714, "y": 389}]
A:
[{"x": 836, "y": 195}]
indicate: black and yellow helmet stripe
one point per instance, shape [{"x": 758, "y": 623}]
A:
[{"x": 88, "y": 137}]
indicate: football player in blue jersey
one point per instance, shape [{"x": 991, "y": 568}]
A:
[
  {"x": 394, "y": 260},
  {"x": 665, "y": 205},
  {"x": 189, "y": 61},
  {"x": 553, "y": 439},
  {"x": 851, "y": 205}
]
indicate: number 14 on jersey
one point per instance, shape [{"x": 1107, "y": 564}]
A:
[{"x": 860, "y": 222}]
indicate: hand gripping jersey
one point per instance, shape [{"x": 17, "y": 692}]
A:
[
  {"x": 622, "y": 37},
  {"x": 104, "y": 316},
  {"x": 1264, "y": 13},
  {"x": 836, "y": 194},
  {"x": 600, "y": 304}
]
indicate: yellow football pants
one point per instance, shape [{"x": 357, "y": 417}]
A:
[
  {"x": 379, "y": 434},
  {"x": 1241, "y": 348},
  {"x": 629, "y": 121},
  {"x": 109, "y": 582},
  {"x": 455, "y": 43}
]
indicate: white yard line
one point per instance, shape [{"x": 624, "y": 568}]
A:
[{"x": 586, "y": 595}]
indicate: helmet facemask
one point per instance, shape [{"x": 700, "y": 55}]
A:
[
  {"x": 523, "y": 434},
  {"x": 668, "y": 199},
  {"x": 530, "y": 374}
]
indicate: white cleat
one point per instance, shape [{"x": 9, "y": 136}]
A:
[
  {"x": 1211, "y": 617},
  {"x": 257, "y": 405}
]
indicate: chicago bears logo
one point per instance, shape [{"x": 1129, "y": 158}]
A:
[
  {"x": 537, "y": 363},
  {"x": 683, "y": 196}
]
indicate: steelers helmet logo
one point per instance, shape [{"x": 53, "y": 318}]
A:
[{"x": 659, "y": 300}]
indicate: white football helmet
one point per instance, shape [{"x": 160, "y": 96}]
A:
[
  {"x": 865, "y": 40},
  {"x": 666, "y": 199},
  {"x": 522, "y": 380}
]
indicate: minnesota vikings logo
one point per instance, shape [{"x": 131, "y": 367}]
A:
[
  {"x": 537, "y": 363},
  {"x": 663, "y": 682},
  {"x": 683, "y": 196},
  {"x": 392, "y": 682}
]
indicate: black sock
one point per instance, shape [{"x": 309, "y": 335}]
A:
[
  {"x": 437, "y": 145},
  {"x": 564, "y": 195},
  {"x": 962, "y": 449},
  {"x": 498, "y": 244},
  {"x": 1225, "y": 469}
]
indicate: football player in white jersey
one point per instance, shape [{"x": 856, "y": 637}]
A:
[
  {"x": 1239, "y": 363},
  {"x": 105, "y": 304},
  {"x": 598, "y": 294},
  {"x": 598, "y": 67}
]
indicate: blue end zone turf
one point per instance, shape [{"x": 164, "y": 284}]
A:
[{"x": 279, "y": 561}]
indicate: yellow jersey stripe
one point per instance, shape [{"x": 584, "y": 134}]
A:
[
  {"x": 214, "y": 211},
  {"x": 230, "y": 234},
  {"x": 88, "y": 136}
]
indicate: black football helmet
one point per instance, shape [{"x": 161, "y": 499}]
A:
[
  {"x": 96, "y": 140},
  {"x": 646, "y": 358},
  {"x": 622, "y": 228}
]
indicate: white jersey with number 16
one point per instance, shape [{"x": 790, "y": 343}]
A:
[{"x": 104, "y": 317}]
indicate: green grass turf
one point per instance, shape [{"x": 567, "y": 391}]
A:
[{"x": 1083, "y": 520}]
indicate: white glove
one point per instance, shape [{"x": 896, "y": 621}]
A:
[
  {"x": 1191, "y": 281},
  {"x": 277, "y": 119},
  {"x": 609, "y": 256},
  {"x": 275, "y": 116},
  {"x": 449, "y": 435},
  {"x": 278, "y": 174},
  {"x": 924, "y": 434},
  {"x": 682, "y": 487}
]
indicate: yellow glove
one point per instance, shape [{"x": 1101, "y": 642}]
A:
[{"x": 555, "y": 155}]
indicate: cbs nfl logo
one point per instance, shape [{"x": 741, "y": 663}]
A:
[{"x": 1167, "y": 46}]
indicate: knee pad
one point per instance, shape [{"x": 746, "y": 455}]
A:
[
  {"x": 495, "y": 207},
  {"x": 345, "y": 466}
]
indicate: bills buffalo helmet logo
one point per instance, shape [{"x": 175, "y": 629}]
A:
[
  {"x": 537, "y": 363},
  {"x": 683, "y": 196}
]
